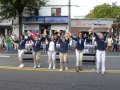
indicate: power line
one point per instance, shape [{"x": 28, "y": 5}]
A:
[{"x": 61, "y": 5}]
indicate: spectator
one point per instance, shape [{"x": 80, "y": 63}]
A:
[
  {"x": 109, "y": 44},
  {"x": 115, "y": 47},
  {"x": 8, "y": 44},
  {"x": 2, "y": 39},
  {"x": 15, "y": 44},
  {"x": 118, "y": 39},
  {"x": 1, "y": 43}
]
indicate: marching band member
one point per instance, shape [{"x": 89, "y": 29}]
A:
[
  {"x": 100, "y": 53},
  {"x": 79, "y": 51}
]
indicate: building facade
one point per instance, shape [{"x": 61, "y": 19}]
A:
[
  {"x": 52, "y": 17},
  {"x": 101, "y": 25},
  {"x": 6, "y": 26},
  {"x": 50, "y": 23}
]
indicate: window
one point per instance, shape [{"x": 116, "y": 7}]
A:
[{"x": 55, "y": 11}]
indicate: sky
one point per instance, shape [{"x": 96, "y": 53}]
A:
[{"x": 85, "y": 6}]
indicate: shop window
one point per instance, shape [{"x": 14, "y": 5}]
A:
[{"x": 55, "y": 11}]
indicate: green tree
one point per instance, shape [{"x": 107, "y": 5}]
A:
[
  {"x": 15, "y": 8},
  {"x": 105, "y": 11}
]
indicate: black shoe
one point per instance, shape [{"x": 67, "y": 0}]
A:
[{"x": 77, "y": 69}]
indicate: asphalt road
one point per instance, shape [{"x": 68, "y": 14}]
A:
[
  {"x": 40, "y": 80},
  {"x": 14, "y": 78}
]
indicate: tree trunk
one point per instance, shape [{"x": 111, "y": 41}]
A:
[{"x": 20, "y": 24}]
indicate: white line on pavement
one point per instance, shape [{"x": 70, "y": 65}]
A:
[{"x": 5, "y": 56}]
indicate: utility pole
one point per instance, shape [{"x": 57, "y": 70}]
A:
[
  {"x": 69, "y": 16},
  {"x": 69, "y": 12}
]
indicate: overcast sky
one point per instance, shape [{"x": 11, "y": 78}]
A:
[{"x": 87, "y": 5}]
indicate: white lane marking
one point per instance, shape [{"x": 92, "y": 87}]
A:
[
  {"x": 5, "y": 56},
  {"x": 8, "y": 54}
]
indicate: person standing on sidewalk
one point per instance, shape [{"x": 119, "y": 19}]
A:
[
  {"x": 115, "y": 47},
  {"x": 8, "y": 44},
  {"x": 109, "y": 44},
  {"x": 79, "y": 51},
  {"x": 1, "y": 43},
  {"x": 100, "y": 53}
]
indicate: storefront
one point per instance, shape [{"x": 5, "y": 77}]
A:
[
  {"x": 84, "y": 25},
  {"x": 51, "y": 23},
  {"x": 57, "y": 23},
  {"x": 32, "y": 24},
  {"x": 6, "y": 27}
]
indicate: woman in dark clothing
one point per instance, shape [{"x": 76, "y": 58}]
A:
[
  {"x": 63, "y": 52},
  {"x": 21, "y": 48},
  {"x": 100, "y": 53},
  {"x": 79, "y": 51}
]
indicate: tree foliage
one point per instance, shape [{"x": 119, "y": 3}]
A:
[
  {"x": 105, "y": 11},
  {"x": 15, "y": 8}
]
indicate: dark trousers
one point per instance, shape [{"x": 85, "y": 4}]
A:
[{"x": 115, "y": 47}]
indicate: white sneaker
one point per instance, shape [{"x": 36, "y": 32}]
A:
[
  {"x": 35, "y": 66},
  {"x": 66, "y": 68},
  {"x": 98, "y": 72},
  {"x": 49, "y": 67},
  {"x": 21, "y": 66},
  {"x": 103, "y": 72},
  {"x": 61, "y": 69},
  {"x": 54, "y": 67},
  {"x": 38, "y": 66}
]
